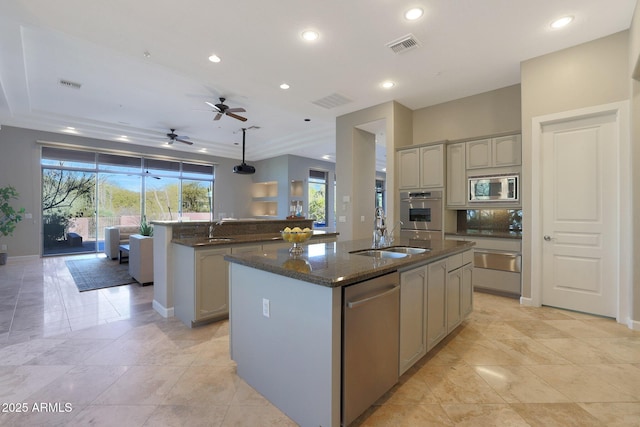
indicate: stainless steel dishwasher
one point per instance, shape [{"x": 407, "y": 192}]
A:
[{"x": 370, "y": 342}]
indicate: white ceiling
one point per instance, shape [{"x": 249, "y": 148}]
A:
[{"x": 466, "y": 47}]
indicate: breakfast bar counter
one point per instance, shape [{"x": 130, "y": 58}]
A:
[
  {"x": 289, "y": 333},
  {"x": 336, "y": 264}
]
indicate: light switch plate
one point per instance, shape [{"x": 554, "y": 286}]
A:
[{"x": 266, "y": 312}]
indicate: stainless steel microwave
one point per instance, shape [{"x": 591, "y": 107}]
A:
[{"x": 494, "y": 188}]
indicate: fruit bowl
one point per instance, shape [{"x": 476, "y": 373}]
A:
[{"x": 296, "y": 236}]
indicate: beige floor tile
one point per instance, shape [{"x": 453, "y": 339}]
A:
[
  {"x": 622, "y": 350},
  {"x": 501, "y": 330},
  {"x": 518, "y": 384},
  {"x": 579, "y": 384},
  {"x": 70, "y": 352},
  {"x": 179, "y": 416},
  {"x": 528, "y": 351},
  {"x": 263, "y": 416},
  {"x": 579, "y": 328},
  {"x": 488, "y": 415},
  {"x": 482, "y": 352},
  {"x": 390, "y": 415},
  {"x": 141, "y": 385},
  {"x": 457, "y": 384},
  {"x": 17, "y": 383},
  {"x": 21, "y": 353},
  {"x": 578, "y": 351},
  {"x": 538, "y": 329},
  {"x": 624, "y": 377},
  {"x": 215, "y": 385},
  {"x": 555, "y": 415},
  {"x": 79, "y": 386},
  {"x": 614, "y": 414},
  {"x": 412, "y": 391},
  {"x": 112, "y": 415}
]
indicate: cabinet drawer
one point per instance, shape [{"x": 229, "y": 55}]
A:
[
  {"x": 454, "y": 261},
  {"x": 467, "y": 257}
]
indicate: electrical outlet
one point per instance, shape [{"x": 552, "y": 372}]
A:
[
  {"x": 362, "y": 218},
  {"x": 3, "y": 248},
  {"x": 342, "y": 219},
  {"x": 265, "y": 308}
]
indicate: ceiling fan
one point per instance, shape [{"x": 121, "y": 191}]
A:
[
  {"x": 173, "y": 137},
  {"x": 222, "y": 109}
]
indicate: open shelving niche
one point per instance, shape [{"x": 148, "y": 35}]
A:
[{"x": 265, "y": 199}]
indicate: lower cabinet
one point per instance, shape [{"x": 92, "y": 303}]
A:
[
  {"x": 201, "y": 284},
  {"x": 436, "y": 303},
  {"x": 434, "y": 299},
  {"x": 413, "y": 302}
]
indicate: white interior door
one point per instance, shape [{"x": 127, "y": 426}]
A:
[{"x": 580, "y": 210}]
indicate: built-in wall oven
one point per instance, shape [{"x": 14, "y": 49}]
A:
[{"x": 421, "y": 214}]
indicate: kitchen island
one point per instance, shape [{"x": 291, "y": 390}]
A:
[{"x": 287, "y": 333}]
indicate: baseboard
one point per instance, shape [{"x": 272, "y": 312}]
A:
[
  {"x": 633, "y": 324},
  {"x": 164, "y": 312},
  {"x": 526, "y": 301}
]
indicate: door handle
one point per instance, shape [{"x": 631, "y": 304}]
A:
[{"x": 547, "y": 238}]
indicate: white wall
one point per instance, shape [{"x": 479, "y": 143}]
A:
[{"x": 20, "y": 167}]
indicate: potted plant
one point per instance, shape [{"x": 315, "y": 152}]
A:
[
  {"x": 146, "y": 229},
  {"x": 9, "y": 216}
]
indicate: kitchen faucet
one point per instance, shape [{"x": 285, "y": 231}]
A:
[
  {"x": 390, "y": 237},
  {"x": 380, "y": 236}
]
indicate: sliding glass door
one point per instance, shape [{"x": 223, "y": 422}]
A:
[{"x": 83, "y": 192}]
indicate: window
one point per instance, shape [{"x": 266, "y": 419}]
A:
[
  {"x": 84, "y": 191},
  {"x": 318, "y": 186}
]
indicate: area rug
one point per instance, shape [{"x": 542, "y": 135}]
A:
[{"x": 98, "y": 273}]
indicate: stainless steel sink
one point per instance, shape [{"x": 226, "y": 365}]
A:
[
  {"x": 406, "y": 250},
  {"x": 377, "y": 253}
]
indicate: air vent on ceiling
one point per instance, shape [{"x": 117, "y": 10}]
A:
[
  {"x": 332, "y": 101},
  {"x": 69, "y": 83},
  {"x": 403, "y": 44}
]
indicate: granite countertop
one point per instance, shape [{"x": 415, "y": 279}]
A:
[
  {"x": 332, "y": 264},
  {"x": 488, "y": 233},
  {"x": 196, "y": 242}
]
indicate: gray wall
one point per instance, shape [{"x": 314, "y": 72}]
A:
[
  {"x": 20, "y": 167},
  {"x": 355, "y": 166},
  {"x": 586, "y": 75},
  {"x": 287, "y": 168},
  {"x": 634, "y": 91},
  {"x": 489, "y": 113}
]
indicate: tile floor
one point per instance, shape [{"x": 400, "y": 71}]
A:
[{"x": 105, "y": 358}]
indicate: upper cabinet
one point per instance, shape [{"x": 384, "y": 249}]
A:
[
  {"x": 456, "y": 175},
  {"x": 409, "y": 168},
  {"x": 432, "y": 166},
  {"x": 421, "y": 167},
  {"x": 494, "y": 152}
]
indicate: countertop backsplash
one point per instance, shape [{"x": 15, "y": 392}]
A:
[{"x": 499, "y": 220}]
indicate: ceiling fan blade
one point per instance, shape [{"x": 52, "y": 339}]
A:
[
  {"x": 217, "y": 117},
  {"x": 236, "y": 110},
  {"x": 184, "y": 141},
  {"x": 212, "y": 105},
  {"x": 235, "y": 116}
]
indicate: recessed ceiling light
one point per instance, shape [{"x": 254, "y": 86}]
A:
[
  {"x": 214, "y": 58},
  {"x": 71, "y": 128},
  {"x": 284, "y": 86},
  {"x": 413, "y": 14},
  {"x": 326, "y": 157},
  {"x": 559, "y": 23},
  {"x": 310, "y": 35},
  {"x": 388, "y": 84}
]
